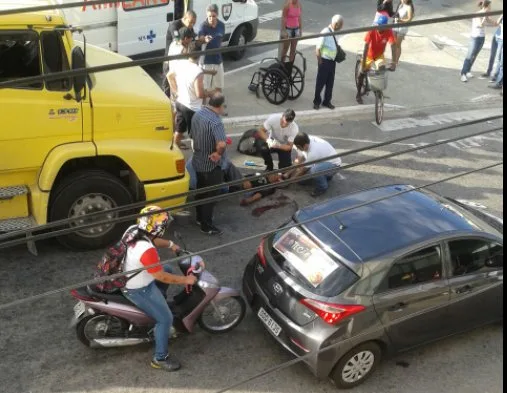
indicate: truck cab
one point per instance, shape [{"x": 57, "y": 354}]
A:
[{"x": 75, "y": 146}]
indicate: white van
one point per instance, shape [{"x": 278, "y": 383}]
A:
[{"x": 139, "y": 27}]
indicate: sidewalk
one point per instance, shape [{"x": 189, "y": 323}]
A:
[{"x": 428, "y": 75}]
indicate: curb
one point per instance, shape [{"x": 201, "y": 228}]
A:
[{"x": 321, "y": 114}]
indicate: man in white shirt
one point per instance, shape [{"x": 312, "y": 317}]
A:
[
  {"x": 277, "y": 135},
  {"x": 311, "y": 148}
]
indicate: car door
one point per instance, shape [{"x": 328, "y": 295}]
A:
[
  {"x": 476, "y": 282},
  {"x": 412, "y": 300},
  {"x": 142, "y": 26},
  {"x": 35, "y": 117}
]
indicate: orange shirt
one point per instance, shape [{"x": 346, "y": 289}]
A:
[{"x": 378, "y": 41}]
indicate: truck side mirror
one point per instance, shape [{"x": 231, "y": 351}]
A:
[{"x": 78, "y": 62}]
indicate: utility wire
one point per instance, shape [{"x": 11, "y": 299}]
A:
[
  {"x": 235, "y": 242},
  {"x": 30, "y": 237},
  {"x": 161, "y": 59},
  {"x": 136, "y": 205}
]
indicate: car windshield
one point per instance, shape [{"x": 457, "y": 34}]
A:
[
  {"x": 312, "y": 266},
  {"x": 494, "y": 222}
]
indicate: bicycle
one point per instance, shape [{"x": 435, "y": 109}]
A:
[{"x": 376, "y": 81}]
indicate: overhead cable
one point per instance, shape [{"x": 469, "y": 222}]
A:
[
  {"x": 235, "y": 242},
  {"x": 136, "y": 205}
]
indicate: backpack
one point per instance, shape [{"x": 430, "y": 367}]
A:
[
  {"x": 247, "y": 143},
  {"x": 112, "y": 262}
]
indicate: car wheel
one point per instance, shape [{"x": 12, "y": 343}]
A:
[
  {"x": 90, "y": 192},
  {"x": 238, "y": 40},
  {"x": 356, "y": 365}
]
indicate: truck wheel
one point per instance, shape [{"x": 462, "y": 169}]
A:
[
  {"x": 239, "y": 40},
  {"x": 88, "y": 192}
]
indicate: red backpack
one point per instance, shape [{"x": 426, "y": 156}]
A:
[{"x": 112, "y": 262}]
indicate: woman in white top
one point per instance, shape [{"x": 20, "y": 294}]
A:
[
  {"x": 478, "y": 36},
  {"x": 404, "y": 14}
]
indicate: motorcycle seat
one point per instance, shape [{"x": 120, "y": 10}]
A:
[{"x": 115, "y": 297}]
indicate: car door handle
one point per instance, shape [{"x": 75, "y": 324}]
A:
[
  {"x": 397, "y": 307},
  {"x": 464, "y": 289}
]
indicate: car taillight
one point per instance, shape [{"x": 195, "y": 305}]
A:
[
  {"x": 81, "y": 296},
  {"x": 180, "y": 166},
  {"x": 331, "y": 313},
  {"x": 260, "y": 252}
]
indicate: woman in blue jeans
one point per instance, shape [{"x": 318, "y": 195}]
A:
[
  {"x": 147, "y": 289},
  {"x": 478, "y": 36}
]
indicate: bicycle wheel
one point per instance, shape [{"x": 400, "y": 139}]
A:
[{"x": 379, "y": 106}]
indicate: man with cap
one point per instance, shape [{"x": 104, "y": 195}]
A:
[{"x": 373, "y": 53}]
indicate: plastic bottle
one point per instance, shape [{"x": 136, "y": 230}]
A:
[{"x": 250, "y": 163}]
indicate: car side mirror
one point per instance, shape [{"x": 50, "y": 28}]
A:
[{"x": 78, "y": 63}]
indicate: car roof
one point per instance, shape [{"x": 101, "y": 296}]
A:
[{"x": 383, "y": 227}]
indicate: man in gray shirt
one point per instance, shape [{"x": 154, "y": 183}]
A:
[{"x": 209, "y": 146}]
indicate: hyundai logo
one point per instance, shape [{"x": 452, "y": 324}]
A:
[{"x": 277, "y": 289}]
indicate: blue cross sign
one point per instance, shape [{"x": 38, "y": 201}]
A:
[{"x": 150, "y": 37}]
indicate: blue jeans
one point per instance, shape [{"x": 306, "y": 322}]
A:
[
  {"x": 498, "y": 72},
  {"x": 474, "y": 48},
  {"x": 321, "y": 183},
  {"x": 492, "y": 55},
  {"x": 153, "y": 302}
]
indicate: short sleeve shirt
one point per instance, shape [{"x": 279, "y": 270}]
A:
[
  {"x": 141, "y": 254},
  {"x": 378, "y": 42},
  {"x": 217, "y": 33},
  {"x": 320, "y": 149},
  {"x": 275, "y": 130},
  {"x": 207, "y": 130}
]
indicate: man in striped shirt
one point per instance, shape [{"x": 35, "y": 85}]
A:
[{"x": 209, "y": 146}]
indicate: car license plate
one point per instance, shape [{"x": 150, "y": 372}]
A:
[
  {"x": 79, "y": 309},
  {"x": 269, "y": 322}
]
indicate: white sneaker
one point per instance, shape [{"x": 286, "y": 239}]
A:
[
  {"x": 470, "y": 75},
  {"x": 464, "y": 78}
]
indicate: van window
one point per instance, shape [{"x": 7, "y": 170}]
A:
[
  {"x": 473, "y": 255},
  {"x": 54, "y": 59},
  {"x": 20, "y": 57},
  {"x": 416, "y": 268},
  {"x": 136, "y": 5}
]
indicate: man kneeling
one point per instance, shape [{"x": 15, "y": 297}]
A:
[{"x": 311, "y": 148}]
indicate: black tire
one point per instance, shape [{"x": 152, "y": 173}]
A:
[
  {"x": 214, "y": 330},
  {"x": 82, "y": 325},
  {"x": 275, "y": 86},
  {"x": 297, "y": 83},
  {"x": 379, "y": 107},
  {"x": 239, "y": 39},
  {"x": 369, "y": 348},
  {"x": 90, "y": 184}
]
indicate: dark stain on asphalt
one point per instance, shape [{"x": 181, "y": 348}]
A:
[{"x": 403, "y": 364}]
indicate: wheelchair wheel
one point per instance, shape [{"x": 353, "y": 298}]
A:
[
  {"x": 297, "y": 83},
  {"x": 379, "y": 106},
  {"x": 275, "y": 86}
]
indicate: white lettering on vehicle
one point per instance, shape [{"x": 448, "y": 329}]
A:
[{"x": 126, "y": 5}]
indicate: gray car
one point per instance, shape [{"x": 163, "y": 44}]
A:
[{"x": 377, "y": 279}]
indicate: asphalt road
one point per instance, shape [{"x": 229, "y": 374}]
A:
[{"x": 39, "y": 353}]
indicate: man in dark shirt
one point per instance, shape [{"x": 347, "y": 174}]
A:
[
  {"x": 209, "y": 145},
  {"x": 255, "y": 195},
  {"x": 188, "y": 21},
  {"x": 212, "y": 32}
]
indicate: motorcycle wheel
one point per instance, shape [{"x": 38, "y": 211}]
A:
[
  {"x": 221, "y": 316},
  {"x": 99, "y": 326}
]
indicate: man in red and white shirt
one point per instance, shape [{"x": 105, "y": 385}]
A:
[{"x": 147, "y": 289}]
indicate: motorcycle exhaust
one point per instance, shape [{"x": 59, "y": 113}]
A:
[{"x": 117, "y": 342}]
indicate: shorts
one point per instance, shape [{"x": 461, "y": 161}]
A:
[
  {"x": 216, "y": 81},
  {"x": 400, "y": 31},
  {"x": 183, "y": 118},
  {"x": 374, "y": 63},
  {"x": 293, "y": 32}
]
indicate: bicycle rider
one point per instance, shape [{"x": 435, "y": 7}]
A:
[{"x": 373, "y": 53}]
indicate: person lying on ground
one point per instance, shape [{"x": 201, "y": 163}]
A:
[{"x": 256, "y": 195}]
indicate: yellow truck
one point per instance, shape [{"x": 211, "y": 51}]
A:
[{"x": 75, "y": 146}]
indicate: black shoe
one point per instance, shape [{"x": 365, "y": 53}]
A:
[
  {"x": 359, "y": 99},
  {"x": 316, "y": 107},
  {"x": 330, "y": 106},
  {"x": 166, "y": 364},
  {"x": 317, "y": 193},
  {"x": 495, "y": 86},
  {"x": 211, "y": 230}
]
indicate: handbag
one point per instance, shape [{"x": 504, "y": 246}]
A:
[{"x": 340, "y": 53}]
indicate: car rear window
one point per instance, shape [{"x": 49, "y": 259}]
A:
[{"x": 309, "y": 264}]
